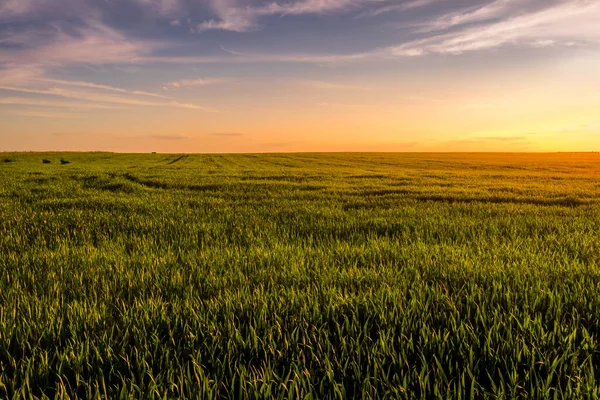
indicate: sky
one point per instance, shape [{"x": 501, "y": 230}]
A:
[{"x": 299, "y": 75}]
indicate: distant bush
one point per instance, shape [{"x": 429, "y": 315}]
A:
[
  {"x": 7, "y": 160},
  {"x": 63, "y": 161},
  {"x": 44, "y": 161}
]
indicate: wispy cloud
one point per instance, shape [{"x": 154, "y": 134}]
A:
[
  {"x": 342, "y": 105},
  {"x": 492, "y": 24},
  {"x": 15, "y": 7},
  {"x": 226, "y": 134},
  {"x": 13, "y": 74},
  {"x": 235, "y": 16},
  {"x": 504, "y": 139},
  {"x": 486, "y": 12},
  {"x": 390, "y": 8},
  {"x": 94, "y": 96},
  {"x": 91, "y": 42},
  {"x": 195, "y": 82},
  {"x": 329, "y": 85},
  {"x": 165, "y": 8},
  {"x": 498, "y": 23},
  {"x": 589, "y": 128},
  {"x": 44, "y": 114},
  {"x": 55, "y": 104},
  {"x": 261, "y": 58},
  {"x": 169, "y": 137},
  {"x": 562, "y": 22},
  {"x": 92, "y": 85}
]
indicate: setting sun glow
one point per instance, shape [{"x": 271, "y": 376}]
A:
[{"x": 304, "y": 75}]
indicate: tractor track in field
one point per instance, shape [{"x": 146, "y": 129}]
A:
[{"x": 177, "y": 160}]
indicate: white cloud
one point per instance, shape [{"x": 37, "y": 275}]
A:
[
  {"x": 565, "y": 22},
  {"x": 501, "y": 22},
  {"x": 94, "y": 43},
  {"x": 56, "y": 104},
  {"x": 236, "y": 17},
  {"x": 162, "y": 7},
  {"x": 231, "y": 17},
  {"x": 99, "y": 97},
  {"x": 103, "y": 87},
  {"x": 316, "y": 84},
  {"x": 44, "y": 114},
  {"x": 260, "y": 58},
  {"x": 389, "y": 8},
  {"x": 25, "y": 66},
  {"x": 487, "y": 12},
  {"x": 15, "y": 7},
  {"x": 195, "y": 82},
  {"x": 15, "y": 74}
]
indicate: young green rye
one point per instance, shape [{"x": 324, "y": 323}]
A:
[{"x": 313, "y": 276}]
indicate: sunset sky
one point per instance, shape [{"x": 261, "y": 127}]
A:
[{"x": 299, "y": 75}]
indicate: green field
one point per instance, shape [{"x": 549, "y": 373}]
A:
[{"x": 300, "y": 276}]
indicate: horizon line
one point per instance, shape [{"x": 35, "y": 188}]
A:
[{"x": 293, "y": 152}]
